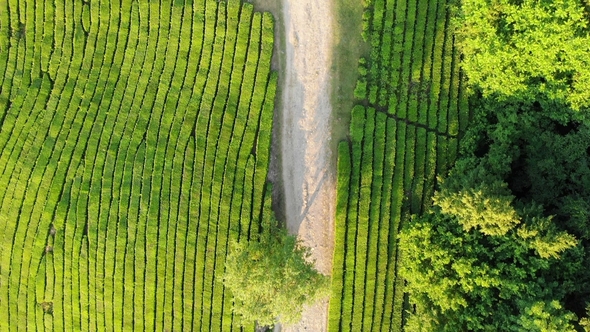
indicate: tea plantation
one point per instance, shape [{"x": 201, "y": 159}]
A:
[
  {"x": 134, "y": 144},
  {"x": 411, "y": 108}
]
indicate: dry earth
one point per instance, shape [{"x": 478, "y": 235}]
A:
[{"x": 308, "y": 179}]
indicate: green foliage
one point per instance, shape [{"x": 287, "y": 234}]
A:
[
  {"x": 542, "y": 235},
  {"x": 527, "y": 49},
  {"x": 409, "y": 79},
  {"x": 457, "y": 278},
  {"x": 507, "y": 234},
  {"x": 509, "y": 230},
  {"x": 546, "y": 317},
  {"x": 360, "y": 91},
  {"x": 272, "y": 278},
  {"x": 487, "y": 206},
  {"x": 585, "y": 322},
  {"x": 343, "y": 187}
]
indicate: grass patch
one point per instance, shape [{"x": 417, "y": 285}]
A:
[{"x": 349, "y": 47}]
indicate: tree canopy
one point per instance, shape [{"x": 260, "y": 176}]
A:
[
  {"x": 506, "y": 246},
  {"x": 531, "y": 49},
  {"x": 271, "y": 278},
  {"x": 469, "y": 281}
]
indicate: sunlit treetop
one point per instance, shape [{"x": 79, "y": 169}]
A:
[{"x": 528, "y": 49}]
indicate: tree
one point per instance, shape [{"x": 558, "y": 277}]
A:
[
  {"x": 483, "y": 249},
  {"x": 527, "y": 49},
  {"x": 271, "y": 278},
  {"x": 462, "y": 280},
  {"x": 487, "y": 206},
  {"x": 506, "y": 246}
]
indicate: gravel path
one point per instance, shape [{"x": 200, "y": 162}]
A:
[{"x": 307, "y": 169}]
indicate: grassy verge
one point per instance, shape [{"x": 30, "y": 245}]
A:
[{"x": 348, "y": 48}]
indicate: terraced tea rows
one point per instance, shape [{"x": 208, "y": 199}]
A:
[
  {"x": 134, "y": 144},
  {"x": 404, "y": 131}
]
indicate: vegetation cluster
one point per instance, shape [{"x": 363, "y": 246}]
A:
[
  {"x": 411, "y": 107},
  {"x": 506, "y": 245},
  {"x": 271, "y": 277}
]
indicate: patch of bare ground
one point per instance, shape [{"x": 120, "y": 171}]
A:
[{"x": 302, "y": 164}]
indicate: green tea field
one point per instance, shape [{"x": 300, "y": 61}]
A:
[
  {"x": 294, "y": 165},
  {"x": 410, "y": 109},
  {"x": 134, "y": 144}
]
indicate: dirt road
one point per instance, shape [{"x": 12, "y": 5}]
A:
[{"x": 307, "y": 172}]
